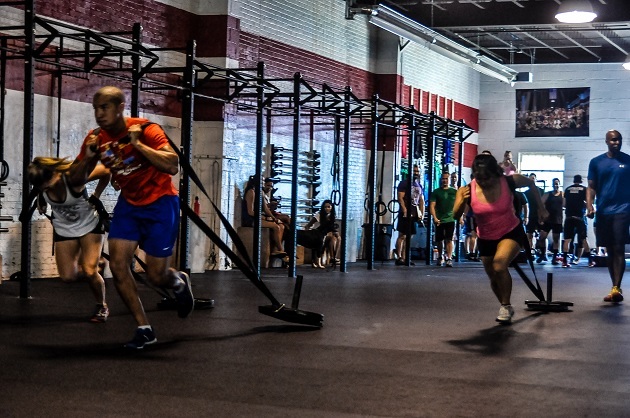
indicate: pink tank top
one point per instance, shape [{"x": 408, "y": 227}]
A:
[{"x": 496, "y": 219}]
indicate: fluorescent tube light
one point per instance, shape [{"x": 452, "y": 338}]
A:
[{"x": 398, "y": 24}]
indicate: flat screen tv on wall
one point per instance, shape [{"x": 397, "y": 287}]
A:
[{"x": 552, "y": 112}]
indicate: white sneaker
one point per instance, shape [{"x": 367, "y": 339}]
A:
[
  {"x": 506, "y": 312},
  {"x": 449, "y": 262}
]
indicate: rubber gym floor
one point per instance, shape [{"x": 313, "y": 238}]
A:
[{"x": 417, "y": 341}]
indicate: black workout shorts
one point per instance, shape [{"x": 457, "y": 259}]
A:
[
  {"x": 444, "y": 231},
  {"x": 612, "y": 230},
  {"x": 574, "y": 225},
  {"x": 488, "y": 247},
  {"x": 403, "y": 226},
  {"x": 554, "y": 228}
]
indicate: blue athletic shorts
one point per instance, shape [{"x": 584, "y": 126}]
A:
[{"x": 153, "y": 226}]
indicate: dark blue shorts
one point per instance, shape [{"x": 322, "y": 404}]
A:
[
  {"x": 612, "y": 230},
  {"x": 153, "y": 226}
]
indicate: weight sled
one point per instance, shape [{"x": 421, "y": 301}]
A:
[
  {"x": 276, "y": 309},
  {"x": 546, "y": 304},
  {"x": 243, "y": 262}
]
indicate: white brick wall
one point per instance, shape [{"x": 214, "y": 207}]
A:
[
  {"x": 316, "y": 26},
  {"x": 609, "y": 109},
  {"x": 427, "y": 70}
]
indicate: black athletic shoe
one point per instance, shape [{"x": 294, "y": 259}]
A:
[
  {"x": 185, "y": 298},
  {"x": 142, "y": 337}
]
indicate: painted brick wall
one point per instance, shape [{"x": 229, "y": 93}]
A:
[
  {"x": 311, "y": 37},
  {"x": 315, "y": 26}
]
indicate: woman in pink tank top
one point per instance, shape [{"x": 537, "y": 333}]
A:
[{"x": 500, "y": 234}]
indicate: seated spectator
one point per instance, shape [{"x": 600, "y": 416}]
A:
[
  {"x": 272, "y": 204},
  {"x": 322, "y": 233},
  {"x": 267, "y": 220}
]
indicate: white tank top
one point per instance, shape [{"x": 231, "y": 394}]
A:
[{"x": 75, "y": 217}]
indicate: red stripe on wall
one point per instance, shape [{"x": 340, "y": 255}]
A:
[
  {"x": 468, "y": 114},
  {"x": 470, "y": 152},
  {"x": 425, "y": 102}
]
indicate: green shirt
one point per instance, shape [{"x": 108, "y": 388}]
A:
[{"x": 444, "y": 201}]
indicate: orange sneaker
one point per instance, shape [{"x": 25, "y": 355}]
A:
[{"x": 615, "y": 295}]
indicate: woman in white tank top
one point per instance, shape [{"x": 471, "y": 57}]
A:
[{"x": 78, "y": 231}]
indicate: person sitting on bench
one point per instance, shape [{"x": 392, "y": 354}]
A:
[
  {"x": 267, "y": 220},
  {"x": 322, "y": 231}
]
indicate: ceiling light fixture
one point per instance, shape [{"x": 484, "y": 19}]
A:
[
  {"x": 398, "y": 24},
  {"x": 575, "y": 11},
  {"x": 626, "y": 64}
]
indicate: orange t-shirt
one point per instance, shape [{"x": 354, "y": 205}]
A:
[{"x": 140, "y": 181}]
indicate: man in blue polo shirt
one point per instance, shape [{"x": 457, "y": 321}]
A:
[{"x": 606, "y": 176}]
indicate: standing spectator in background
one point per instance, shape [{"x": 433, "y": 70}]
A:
[
  {"x": 553, "y": 201},
  {"x": 441, "y": 209},
  {"x": 507, "y": 165},
  {"x": 415, "y": 205},
  {"x": 608, "y": 175},
  {"x": 454, "y": 179},
  {"x": 533, "y": 226},
  {"x": 470, "y": 234},
  {"x": 523, "y": 207},
  {"x": 574, "y": 221}
]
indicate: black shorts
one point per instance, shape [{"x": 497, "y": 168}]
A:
[
  {"x": 612, "y": 230},
  {"x": 402, "y": 225},
  {"x": 444, "y": 231},
  {"x": 554, "y": 228},
  {"x": 574, "y": 225},
  {"x": 533, "y": 225},
  {"x": 99, "y": 229},
  {"x": 488, "y": 247}
]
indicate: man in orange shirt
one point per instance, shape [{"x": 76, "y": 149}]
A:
[{"x": 147, "y": 212}]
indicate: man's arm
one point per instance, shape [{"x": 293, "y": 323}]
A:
[
  {"x": 461, "y": 202},
  {"x": 164, "y": 159},
  {"x": 432, "y": 212},
  {"x": 590, "y": 198},
  {"x": 103, "y": 175},
  {"x": 401, "y": 202},
  {"x": 421, "y": 207},
  {"x": 81, "y": 168},
  {"x": 525, "y": 203}
]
